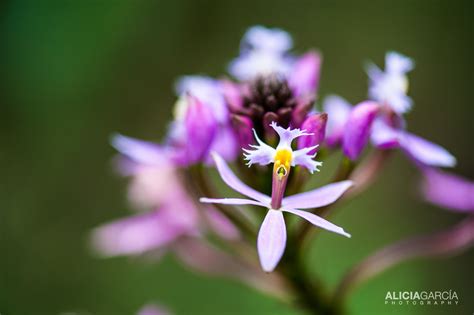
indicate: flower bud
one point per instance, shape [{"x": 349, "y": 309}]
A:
[
  {"x": 200, "y": 127},
  {"x": 243, "y": 127},
  {"x": 316, "y": 125},
  {"x": 358, "y": 127},
  {"x": 301, "y": 110}
]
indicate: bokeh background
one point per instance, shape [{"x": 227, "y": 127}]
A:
[{"x": 74, "y": 72}]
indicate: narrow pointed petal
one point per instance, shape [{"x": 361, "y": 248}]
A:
[
  {"x": 271, "y": 240},
  {"x": 261, "y": 154},
  {"x": 233, "y": 182},
  {"x": 138, "y": 150},
  {"x": 136, "y": 235},
  {"x": 232, "y": 201},
  {"x": 318, "y": 221},
  {"x": 358, "y": 128},
  {"x": 426, "y": 152},
  {"x": 316, "y": 198},
  {"x": 448, "y": 190},
  {"x": 304, "y": 77}
]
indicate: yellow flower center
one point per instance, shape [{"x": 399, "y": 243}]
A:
[{"x": 282, "y": 162}]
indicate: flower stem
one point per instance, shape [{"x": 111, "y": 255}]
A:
[{"x": 308, "y": 292}]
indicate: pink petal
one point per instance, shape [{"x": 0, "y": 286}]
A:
[
  {"x": 318, "y": 221},
  {"x": 233, "y": 182},
  {"x": 136, "y": 234},
  {"x": 358, "y": 128},
  {"x": 225, "y": 143},
  {"x": 319, "y": 197},
  {"x": 138, "y": 150},
  {"x": 232, "y": 201},
  {"x": 448, "y": 190},
  {"x": 384, "y": 136},
  {"x": 304, "y": 77},
  {"x": 426, "y": 152},
  {"x": 271, "y": 240},
  {"x": 201, "y": 128}
]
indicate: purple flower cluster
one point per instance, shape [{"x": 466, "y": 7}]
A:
[{"x": 264, "y": 120}]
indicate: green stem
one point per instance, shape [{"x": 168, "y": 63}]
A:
[{"x": 309, "y": 293}]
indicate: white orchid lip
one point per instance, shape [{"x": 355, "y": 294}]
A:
[{"x": 283, "y": 156}]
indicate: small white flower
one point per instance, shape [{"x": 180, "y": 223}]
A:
[
  {"x": 283, "y": 156},
  {"x": 390, "y": 87}
]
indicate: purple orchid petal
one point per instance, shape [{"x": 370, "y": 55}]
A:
[
  {"x": 304, "y": 77},
  {"x": 152, "y": 186},
  {"x": 358, "y": 128},
  {"x": 318, "y": 221},
  {"x": 136, "y": 235},
  {"x": 225, "y": 143},
  {"x": 426, "y": 152},
  {"x": 200, "y": 126},
  {"x": 316, "y": 125},
  {"x": 138, "y": 150},
  {"x": 233, "y": 182},
  {"x": 233, "y": 201},
  {"x": 207, "y": 90},
  {"x": 448, "y": 190},
  {"x": 338, "y": 110},
  {"x": 316, "y": 198},
  {"x": 271, "y": 240},
  {"x": 383, "y": 136}
]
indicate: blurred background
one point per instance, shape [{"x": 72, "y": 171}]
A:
[{"x": 74, "y": 72}]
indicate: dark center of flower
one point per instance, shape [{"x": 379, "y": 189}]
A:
[{"x": 268, "y": 99}]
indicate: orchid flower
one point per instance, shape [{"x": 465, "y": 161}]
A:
[
  {"x": 263, "y": 52},
  {"x": 272, "y": 235},
  {"x": 389, "y": 87}
]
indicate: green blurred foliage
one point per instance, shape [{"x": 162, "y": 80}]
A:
[{"x": 73, "y": 72}]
